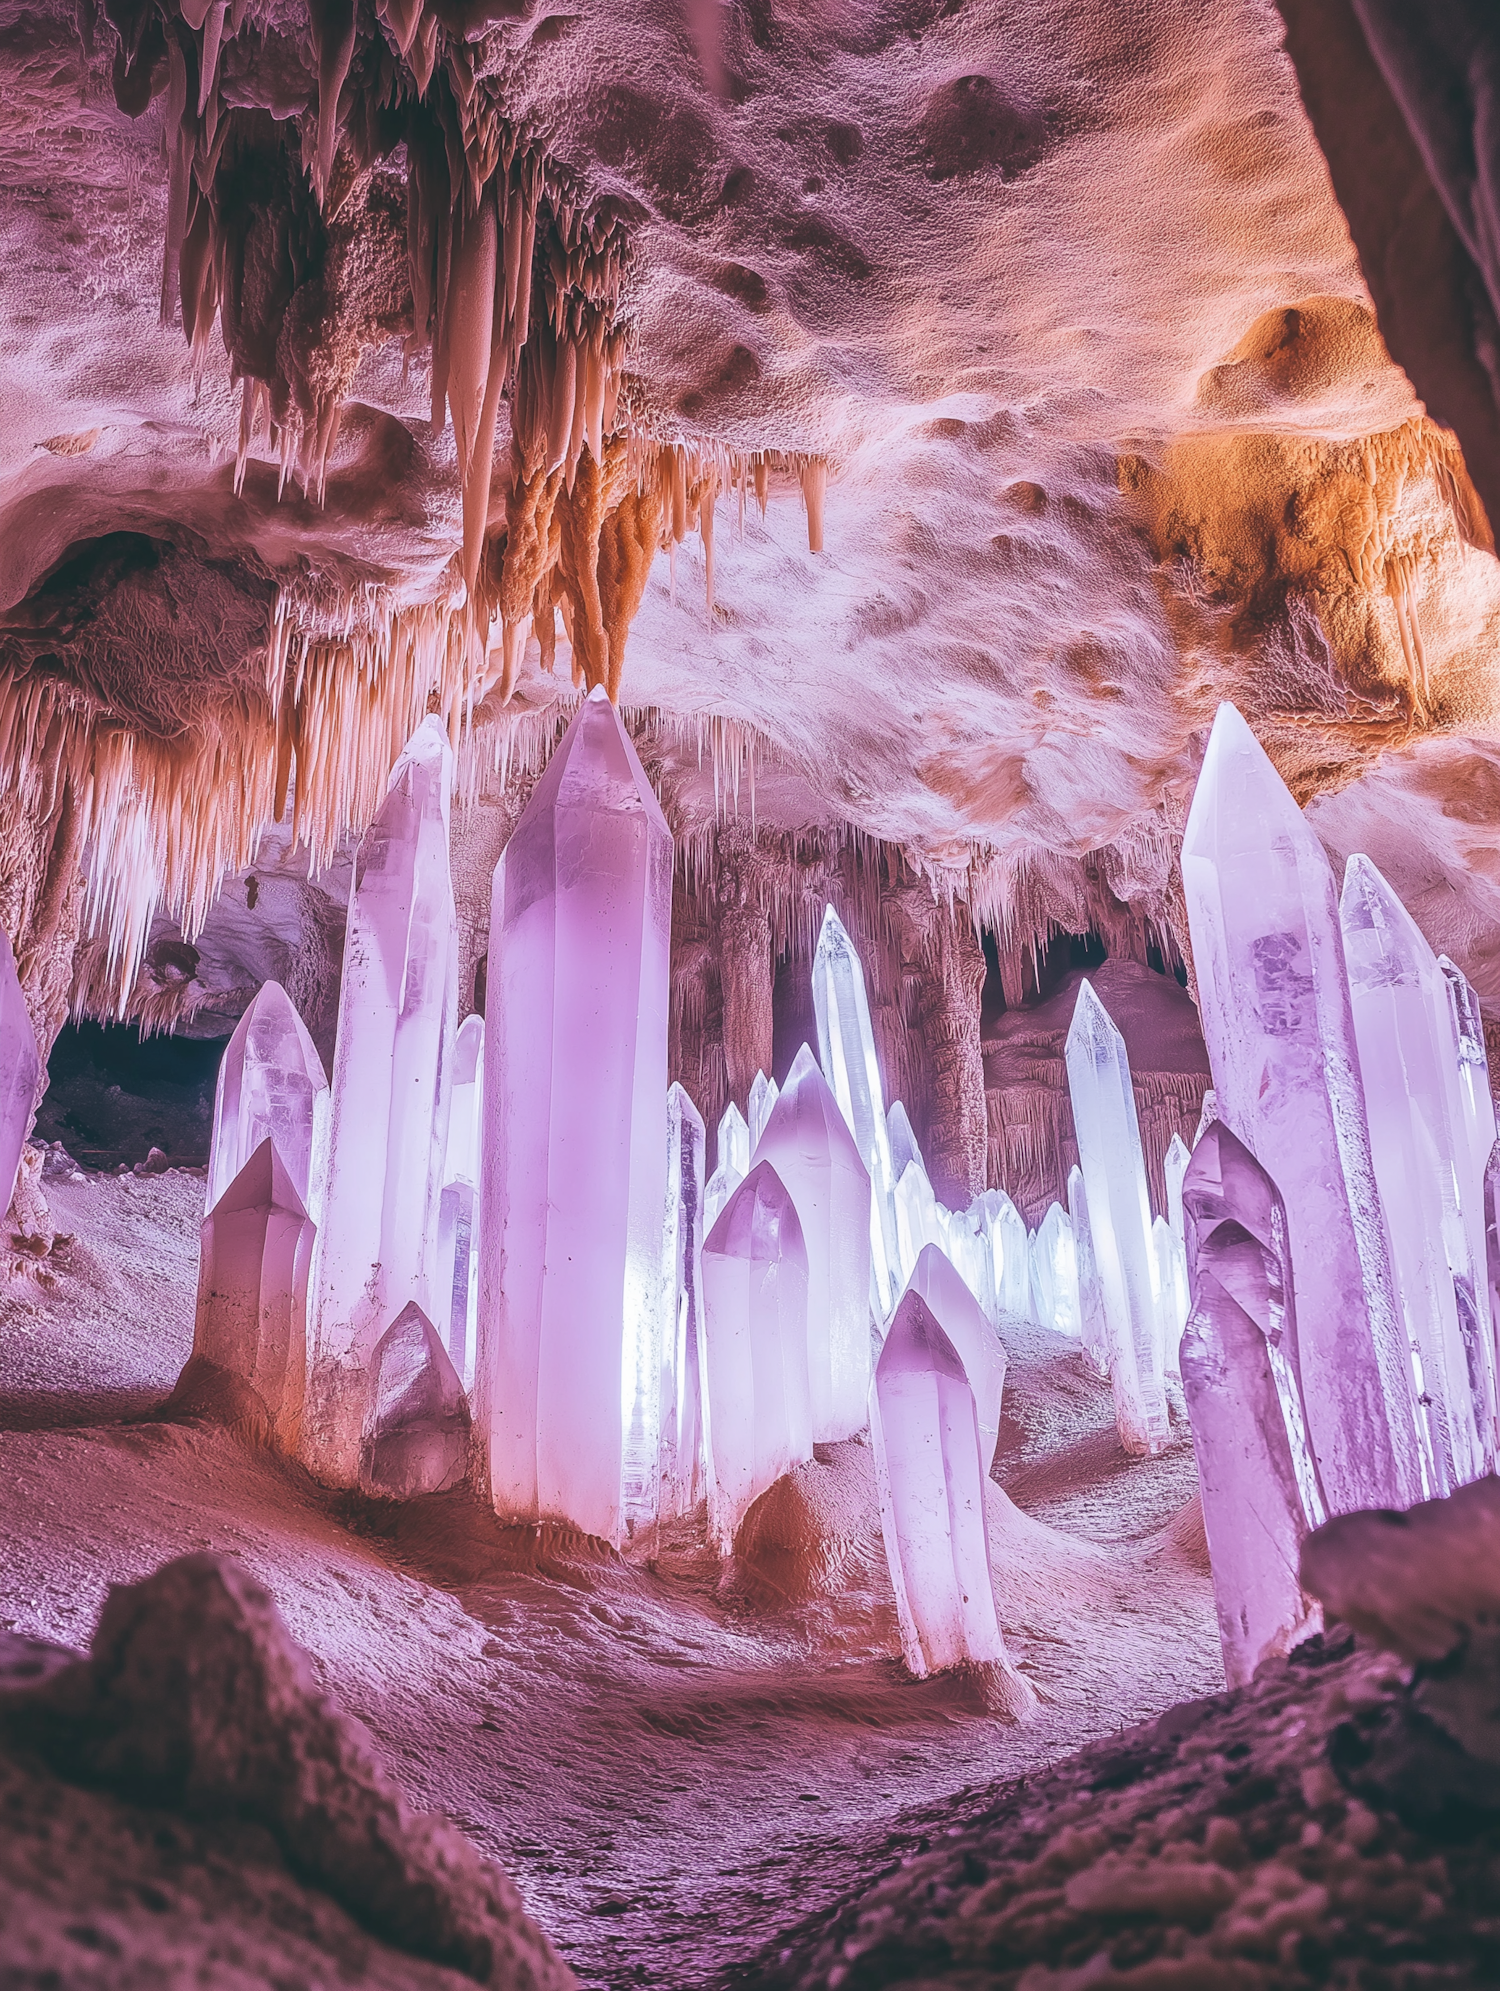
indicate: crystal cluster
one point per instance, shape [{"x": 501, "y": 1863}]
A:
[{"x": 456, "y": 1285}]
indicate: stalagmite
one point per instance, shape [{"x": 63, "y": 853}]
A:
[
  {"x": 763, "y": 1096},
  {"x": 1093, "y": 1327},
  {"x": 388, "y": 1132},
  {"x": 931, "y": 1480},
  {"x": 20, "y": 1067},
  {"x": 808, "y": 1142},
  {"x": 1418, "y": 1143},
  {"x": 846, "y": 1051},
  {"x": 1054, "y": 1274},
  {"x": 1274, "y": 1004},
  {"x": 936, "y": 1281},
  {"x": 757, "y": 1401},
  {"x": 456, "y": 1282},
  {"x": 1226, "y": 1190},
  {"x": 416, "y": 1431},
  {"x": 683, "y": 1463},
  {"x": 256, "y": 1249},
  {"x": 573, "y": 1175},
  {"x": 271, "y": 1082},
  {"x": 1114, "y": 1173},
  {"x": 1254, "y": 1496}
]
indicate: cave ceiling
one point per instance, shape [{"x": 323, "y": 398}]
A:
[{"x": 1058, "y": 297}]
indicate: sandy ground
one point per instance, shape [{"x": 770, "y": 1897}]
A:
[{"x": 674, "y": 1761}]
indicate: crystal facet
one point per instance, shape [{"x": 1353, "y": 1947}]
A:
[
  {"x": 808, "y": 1142},
  {"x": 979, "y": 1347},
  {"x": 763, "y": 1096},
  {"x": 1114, "y": 1173},
  {"x": 757, "y": 1399},
  {"x": 20, "y": 1068},
  {"x": 575, "y": 1143},
  {"x": 1092, "y": 1326},
  {"x": 256, "y": 1248},
  {"x": 416, "y": 1432},
  {"x": 846, "y": 1051},
  {"x": 931, "y": 1479},
  {"x": 271, "y": 1084},
  {"x": 457, "y": 1280},
  {"x": 1476, "y": 1118},
  {"x": 1274, "y": 1004},
  {"x": 731, "y": 1163},
  {"x": 377, "y": 1245},
  {"x": 683, "y": 1465},
  {"x": 1054, "y": 1274}
]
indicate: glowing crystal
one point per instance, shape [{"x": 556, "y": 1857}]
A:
[
  {"x": 271, "y": 1084},
  {"x": 757, "y": 1400},
  {"x": 1274, "y": 1004},
  {"x": 808, "y": 1142},
  {"x": 416, "y": 1432},
  {"x": 979, "y": 1347},
  {"x": 575, "y": 1141},
  {"x": 846, "y": 1051},
  {"x": 1092, "y": 1326},
  {"x": 457, "y": 1279},
  {"x": 683, "y": 1464},
  {"x": 1054, "y": 1274},
  {"x": 20, "y": 1068},
  {"x": 763, "y": 1096}
]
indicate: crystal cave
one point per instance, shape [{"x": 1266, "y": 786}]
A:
[{"x": 749, "y": 975}]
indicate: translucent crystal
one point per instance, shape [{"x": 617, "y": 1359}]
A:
[
  {"x": 256, "y": 1247},
  {"x": 903, "y": 1142},
  {"x": 1054, "y": 1274},
  {"x": 1476, "y": 1116},
  {"x": 575, "y": 1142},
  {"x": 968, "y": 1249},
  {"x": 1174, "y": 1168},
  {"x": 457, "y": 1279},
  {"x": 808, "y": 1142},
  {"x": 919, "y": 1218},
  {"x": 846, "y": 1051},
  {"x": 20, "y": 1068},
  {"x": 1114, "y": 1173},
  {"x": 1403, "y": 1026},
  {"x": 1274, "y": 1004},
  {"x": 763, "y": 1096},
  {"x": 683, "y": 1464},
  {"x": 757, "y": 1400},
  {"x": 979, "y": 1347},
  {"x": 1226, "y": 1187},
  {"x": 931, "y": 1479},
  {"x": 1172, "y": 1289},
  {"x": 1252, "y": 1510},
  {"x": 416, "y": 1431},
  {"x": 1092, "y": 1326},
  {"x": 271, "y": 1084},
  {"x": 1012, "y": 1260},
  {"x": 731, "y": 1166},
  {"x": 377, "y": 1246}
]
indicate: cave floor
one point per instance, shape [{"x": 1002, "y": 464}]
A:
[{"x": 677, "y": 1763}]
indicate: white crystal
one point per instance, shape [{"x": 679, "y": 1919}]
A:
[
  {"x": 271, "y": 1084},
  {"x": 377, "y": 1245},
  {"x": 1274, "y": 1004},
  {"x": 575, "y": 1141},
  {"x": 1054, "y": 1275},
  {"x": 1403, "y": 1026},
  {"x": 416, "y": 1432},
  {"x": 763, "y": 1096},
  {"x": 20, "y": 1068},
  {"x": 846, "y": 1051},
  {"x": 255, "y": 1254},
  {"x": 1114, "y": 1174},
  {"x": 919, "y": 1218},
  {"x": 735, "y": 1145},
  {"x": 1012, "y": 1255},
  {"x": 979, "y": 1347},
  {"x": 1174, "y": 1167},
  {"x": 931, "y": 1480},
  {"x": 1092, "y": 1326},
  {"x": 1476, "y": 1116},
  {"x": 756, "y": 1395},
  {"x": 684, "y": 1467},
  {"x": 456, "y": 1283},
  {"x": 903, "y": 1141},
  {"x": 808, "y": 1142}
]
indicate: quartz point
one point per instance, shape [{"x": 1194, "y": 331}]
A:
[
  {"x": 1408, "y": 1058},
  {"x": 1476, "y": 1116},
  {"x": 683, "y": 1465},
  {"x": 1274, "y": 1004},
  {"x": 457, "y": 1278},
  {"x": 732, "y": 1163},
  {"x": 903, "y": 1142},
  {"x": 1114, "y": 1174},
  {"x": 808, "y": 1142},
  {"x": 1012, "y": 1254},
  {"x": 763, "y": 1096},
  {"x": 416, "y": 1432},
  {"x": 1174, "y": 1168},
  {"x": 936, "y": 1281},
  {"x": 1054, "y": 1275},
  {"x": 1172, "y": 1288},
  {"x": 256, "y": 1247},
  {"x": 931, "y": 1478},
  {"x": 20, "y": 1069},
  {"x": 919, "y": 1218},
  {"x": 1226, "y": 1187},
  {"x": 388, "y": 1134},
  {"x": 1092, "y": 1326},
  {"x": 756, "y": 1393},
  {"x": 968, "y": 1248},
  {"x": 574, "y": 1147},
  {"x": 271, "y": 1084},
  {"x": 846, "y": 1051}
]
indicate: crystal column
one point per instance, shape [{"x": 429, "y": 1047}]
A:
[
  {"x": 271, "y": 1083},
  {"x": 20, "y": 1068},
  {"x": 573, "y": 1170},
  {"x": 846, "y": 1051},
  {"x": 1274, "y": 1004}
]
